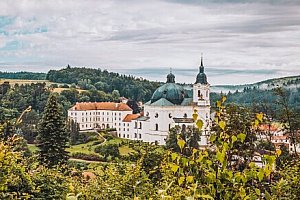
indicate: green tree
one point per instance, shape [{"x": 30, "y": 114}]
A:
[
  {"x": 115, "y": 95},
  {"x": 108, "y": 150},
  {"x": 53, "y": 137}
]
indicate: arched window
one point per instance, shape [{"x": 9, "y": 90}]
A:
[
  {"x": 199, "y": 93},
  {"x": 135, "y": 135},
  {"x": 185, "y": 115},
  {"x": 156, "y": 115},
  {"x": 140, "y": 125},
  {"x": 156, "y": 127},
  {"x": 147, "y": 114},
  {"x": 170, "y": 115},
  {"x": 206, "y": 93}
]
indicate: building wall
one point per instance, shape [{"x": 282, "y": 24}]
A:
[{"x": 91, "y": 119}]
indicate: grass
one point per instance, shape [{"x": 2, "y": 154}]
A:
[
  {"x": 33, "y": 148},
  {"x": 59, "y": 90},
  {"x": 88, "y": 148},
  {"x": 125, "y": 150},
  {"x": 22, "y": 81}
]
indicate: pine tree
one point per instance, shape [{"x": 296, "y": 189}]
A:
[{"x": 53, "y": 137}]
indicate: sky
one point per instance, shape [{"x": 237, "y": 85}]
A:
[{"x": 242, "y": 41}]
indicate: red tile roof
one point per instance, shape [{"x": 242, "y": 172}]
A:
[
  {"x": 283, "y": 137},
  {"x": 130, "y": 117},
  {"x": 266, "y": 127},
  {"x": 101, "y": 106}
]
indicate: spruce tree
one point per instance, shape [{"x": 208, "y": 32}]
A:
[{"x": 53, "y": 137}]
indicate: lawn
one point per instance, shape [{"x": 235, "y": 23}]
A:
[
  {"x": 59, "y": 90},
  {"x": 88, "y": 148},
  {"x": 32, "y": 147},
  {"x": 21, "y": 81}
]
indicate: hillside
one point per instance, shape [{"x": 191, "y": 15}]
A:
[
  {"x": 290, "y": 82},
  {"x": 23, "y": 75},
  {"x": 91, "y": 79}
]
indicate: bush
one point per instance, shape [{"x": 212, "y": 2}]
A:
[
  {"x": 97, "y": 142},
  {"x": 111, "y": 150},
  {"x": 108, "y": 137},
  {"x": 83, "y": 156}
]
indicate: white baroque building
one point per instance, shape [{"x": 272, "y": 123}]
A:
[{"x": 170, "y": 105}]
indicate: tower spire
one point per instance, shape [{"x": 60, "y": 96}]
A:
[{"x": 201, "y": 60}]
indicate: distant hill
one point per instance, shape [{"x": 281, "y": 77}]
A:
[
  {"x": 290, "y": 82},
  {"x": 92, "y": 79},
  {"x": 23, "y": 75}
]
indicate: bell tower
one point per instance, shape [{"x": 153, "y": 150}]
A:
[{"x": 201, "y": 88}]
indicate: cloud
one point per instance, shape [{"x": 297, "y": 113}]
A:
[{"x": 257, "y": 38}]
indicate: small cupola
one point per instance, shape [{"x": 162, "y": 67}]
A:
[{"x": 170, "y": 77}]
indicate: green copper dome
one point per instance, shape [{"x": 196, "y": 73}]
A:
[{"x": 169, "y": 91}]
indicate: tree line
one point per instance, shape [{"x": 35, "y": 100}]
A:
[{"x": 90, "y": 79}]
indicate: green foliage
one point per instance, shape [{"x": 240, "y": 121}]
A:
[
  {"x": 111, "y": 150},
  {"x": 52, "y": 138},
  {"x": 153, "y": 173},
  {"x": 108, "y": 82},
  {"x": 23, "y": 75}
]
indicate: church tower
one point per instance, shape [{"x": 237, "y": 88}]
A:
[{"x": 201, "y": 88}]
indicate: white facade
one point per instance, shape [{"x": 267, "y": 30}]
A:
[{"x": 90, "y": 116}]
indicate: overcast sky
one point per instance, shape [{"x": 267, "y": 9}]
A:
[{"x": 242, "y": 41}]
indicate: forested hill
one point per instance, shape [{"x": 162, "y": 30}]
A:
[
  {"x": 23, "y": 75},
  {"x": 289, "y": 82},
  {"x": 89, "y": 79}
]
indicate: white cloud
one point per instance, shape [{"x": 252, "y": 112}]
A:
[{"x": 133, "y": 34}]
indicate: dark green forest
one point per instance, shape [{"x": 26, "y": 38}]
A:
[
  {"x": 89, "y": 79},
  {"x": 23, "y": 75}
]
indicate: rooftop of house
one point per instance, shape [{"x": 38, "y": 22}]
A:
[
  {"x": 130, "y": 117},
  {"x": 83, "y": 106}
]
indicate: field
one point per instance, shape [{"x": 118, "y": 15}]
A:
[
  {"x": 59, "y": 90},
  {"x": 21, "y": 81},
  {"x": 48, "y": 83}
]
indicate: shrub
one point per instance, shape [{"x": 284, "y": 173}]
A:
[
  {"x": 108, "y": 150},
  {"x": 84, "y": 156}
]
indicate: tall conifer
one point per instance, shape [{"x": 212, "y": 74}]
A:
[{"x": 53, "y": 137}]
